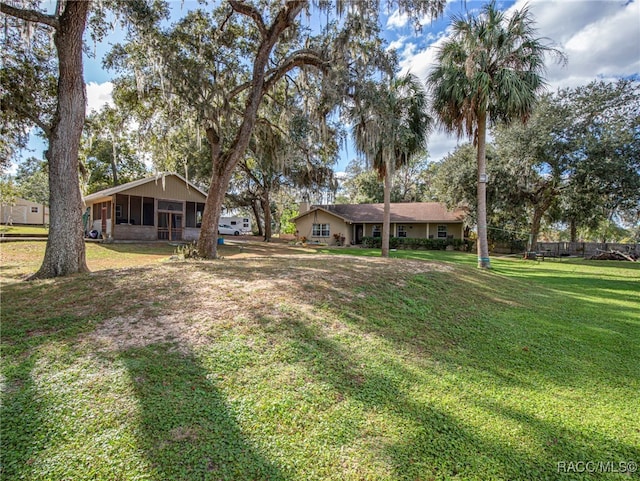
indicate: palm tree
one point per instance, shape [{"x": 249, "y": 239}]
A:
[
  {"x": 488, "y": 71},
  {"x": 390, "y": 127}
]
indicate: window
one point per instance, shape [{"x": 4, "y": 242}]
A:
[
  {"x": 402, "y": 231},
  {"x": 34, "y": 210},
  {"x": 135, "y": 210},
  {"x": 376, "y": 232},
  {"x": 147, "y": 211},
  {"x": 119, "y": 212},
  {"x": 233, "y": 222},
  {"x": 246, "y": 221},
  {"x": 442, "y": 231},
  {"x": 194, "y": 214},
  {"x": 320, "y": 230}
]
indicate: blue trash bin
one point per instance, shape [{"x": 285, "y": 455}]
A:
[{"x": 220, "y": 241}]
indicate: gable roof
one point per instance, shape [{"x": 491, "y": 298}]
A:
[
  {"x": 136, "y": 183},
  {"x": 400, "y": 212}
]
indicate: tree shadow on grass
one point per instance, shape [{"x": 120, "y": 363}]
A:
[
  {"x": 435, "y": 444},
  {"x": 22, "y": 415},
  {"x": 186, "y": 428}
]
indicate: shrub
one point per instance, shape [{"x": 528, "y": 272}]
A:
[
  {"x": 416, "y": 243},
  {"x": 187, "y": 251}
]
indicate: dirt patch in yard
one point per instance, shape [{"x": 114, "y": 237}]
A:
[{"x": 191, "y": 303}]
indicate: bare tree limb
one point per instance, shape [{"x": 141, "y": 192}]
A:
[{"x": 30, "y": 15}]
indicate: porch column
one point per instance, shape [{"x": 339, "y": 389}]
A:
[{"x": 113, "y": 217}]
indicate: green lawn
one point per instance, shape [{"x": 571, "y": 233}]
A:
[
  {"x": 24, "y": 229},
  {"x": 323, "y": 367}
]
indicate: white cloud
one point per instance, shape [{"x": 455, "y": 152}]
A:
[
  {"x": 600, "y": 39},
  {"x": 408, "y": 52},
  {"x": 397, "y": 20},
  {"x": 397, "y": 44},
  {"x": 98, "y": 95},
  {"x": 441, "y": 143},
  {"x": 419, "y": 63}
]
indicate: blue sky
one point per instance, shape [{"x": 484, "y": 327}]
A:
[{"x": 600, "y": 37}]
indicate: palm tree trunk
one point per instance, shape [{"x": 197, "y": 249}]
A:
[
  {"x": 386, "y": 218},
  {"x": 483, "y": 245}
]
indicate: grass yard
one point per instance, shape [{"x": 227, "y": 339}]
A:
[
  {"x": 24, "y": 230},
  {"x": 282, "y": 363}
]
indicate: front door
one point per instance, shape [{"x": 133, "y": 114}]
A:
[
  {"x": 103, "y": 224},
  {"x": 359, "y": 233},
  {"x": 169, "y": 226}
]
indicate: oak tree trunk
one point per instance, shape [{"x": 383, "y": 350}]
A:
[
  {"x": 255, "y": 205},
  {"x": 65, "y": 251},
  {"x": 535, "y": 228},
  {"x": 266, "y": 209},
  {"x": 538, "y": 211},
  {"x": 224, "y": 163}
]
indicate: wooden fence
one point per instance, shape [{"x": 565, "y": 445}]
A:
[{"x": 584, "y": 249}]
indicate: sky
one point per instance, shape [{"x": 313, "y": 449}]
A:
[{"x": 601, "y": 39}]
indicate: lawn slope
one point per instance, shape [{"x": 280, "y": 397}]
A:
[{"x": 322, "y": 367}]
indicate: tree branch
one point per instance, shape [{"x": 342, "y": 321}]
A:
[
  {"x": 30, "y": 15},
  {"x": 252, "y": 12},
  {"x": 298, "y": 58}
]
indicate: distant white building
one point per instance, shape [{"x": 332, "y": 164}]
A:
[{"x": 24, "y": 212}]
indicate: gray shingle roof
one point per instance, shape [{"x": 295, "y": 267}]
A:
[{"x": 401, "y": 212}]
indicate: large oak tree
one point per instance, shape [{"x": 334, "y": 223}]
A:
[
  {"x": 65, "y": 251},
  {"x": 218, "y": 66}
]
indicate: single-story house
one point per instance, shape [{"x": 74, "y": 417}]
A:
[
  {"x": 430, "y": 220},
  {"x": 24, "y": 211},
  {"x": 161, "y": 207}
]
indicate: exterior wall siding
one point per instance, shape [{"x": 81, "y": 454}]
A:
[
  {"x": 190, "y": 234},
  {"x": 336, "y": 226},
  {"x": 135, "y": 232},
  {"x": 174, "y": 189},
  {"x": 420, "y": 230}
]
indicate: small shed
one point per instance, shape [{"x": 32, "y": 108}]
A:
[
  {"x": 22, "y": 211},
  {"x": 162, "y": 207}
]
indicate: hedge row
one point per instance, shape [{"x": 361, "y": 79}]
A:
[{"x": 417, "y": 243}]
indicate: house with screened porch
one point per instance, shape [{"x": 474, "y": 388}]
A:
[{"x": 162, "y": 207}]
